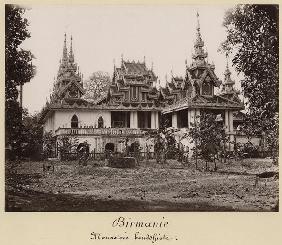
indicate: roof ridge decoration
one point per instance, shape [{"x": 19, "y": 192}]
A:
[
  {"x": 71, "y": 55},
  {"x": 199, "y": 54},
  {"x": 65, "y": 51}
]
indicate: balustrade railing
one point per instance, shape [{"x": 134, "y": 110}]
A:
[{"x": 101, "y": 131}]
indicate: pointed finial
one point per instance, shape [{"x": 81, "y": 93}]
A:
[
  {"x": 121, "y": 58},
  {"x": 65, "y": 51},
  {"x": 144, "y": 59},
  {"x": 166, "y": 77},
  {"x": 114, "y": 61},
  {"x": 71, "y": 56},
  {"x": 198, "y": 21},
  {"x": 152, "y": 66}
]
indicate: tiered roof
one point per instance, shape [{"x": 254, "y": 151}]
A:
[
  {"x": 133, "y": 85},
  {"x": 197, "y": 89},
  {"x": 68, "y": 83}
]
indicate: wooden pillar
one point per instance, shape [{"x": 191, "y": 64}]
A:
[
  {"x": 231, "y": 130},
  {"x": 189, "y": 118},
  {"x": 145, "y": 119},
  {"x": 226, "y": 119},
  {"x": 157, "y": 119},
  {"x": 136, "y": 119},
  {"x": 174, "y": 120},
  {"x": 131, "y": 119},
  {"x": 231, "y": 121},
  {"x": 153, "y": 120}
]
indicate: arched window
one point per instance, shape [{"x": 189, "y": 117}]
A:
[
  {"x": 74, "y": 121},
  {"x": 100, "y": 122}
]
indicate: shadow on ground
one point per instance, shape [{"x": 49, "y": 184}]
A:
[{"x": 32, "y": 201}]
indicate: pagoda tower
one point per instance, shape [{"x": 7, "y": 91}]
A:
[
  {"x": 68, "y": 83},
  {"x": 228, "y": 83},
  {"x": 201, "y": 73}
]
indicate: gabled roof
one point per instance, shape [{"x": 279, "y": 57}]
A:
[
  {"x": 214, "y": 79},
  {"x": 81, "y": 89},
  {"x": 132, "y": 67}
]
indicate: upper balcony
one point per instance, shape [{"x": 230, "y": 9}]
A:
[{"x": 111, "y": 132}]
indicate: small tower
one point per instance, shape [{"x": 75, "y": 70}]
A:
[
  {"x": 69, "y": 79},
  {"x": 199, "y": 54},
  {"x": 65, "y": 52},
  {"x": 71, "y": 56},
  {"x": 228, "y": 83},
  {"x": 200, "y": 71}
]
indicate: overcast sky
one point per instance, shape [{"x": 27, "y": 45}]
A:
[{"x": 163, "y": 34}]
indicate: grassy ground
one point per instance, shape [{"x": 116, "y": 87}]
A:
[{"x": 149, "y": 187}]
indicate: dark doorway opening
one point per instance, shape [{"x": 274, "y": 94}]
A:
[{"x": 110, "y": 147}]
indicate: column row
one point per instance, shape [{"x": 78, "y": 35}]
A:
[{"x": 154, "y": 119}]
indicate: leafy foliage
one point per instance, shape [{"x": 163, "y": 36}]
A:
[
  {"x": 49, "y": 144},
  {"x": 253, "y": 39},
  {"x": 32, "y": 136},
  {"x": 208, "y": 135},
  {"x": 97, "y": 85},
  {"x": 164, "y": 141},
  {"x": 67, "y": 144},
  {"x": 18, "y": 70}
]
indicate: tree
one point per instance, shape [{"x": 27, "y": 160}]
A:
[
  {"x": 18, "y": 70},
  {"x": 67, "y": 144},
  {"x": 97, "y": 85},
  {"x": 209, "y": 137},
  {"x": 253, "y": 40},
  {"x": 49, "y": 144},
  {"x": 32, "y": 136},
  {"x": 164, "y": 141}
]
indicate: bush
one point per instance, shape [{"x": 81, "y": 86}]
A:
[
  {"x": 248, "y": 150},
  {"x": 122, "y": 162}
]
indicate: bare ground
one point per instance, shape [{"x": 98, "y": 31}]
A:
[{"x": 149, "y": 187}]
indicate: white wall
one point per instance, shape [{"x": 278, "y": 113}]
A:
[
  {"x": 49, "y": 124},
  {"x": 85, "y": 118},
  {"x": 98, "y": 143}
]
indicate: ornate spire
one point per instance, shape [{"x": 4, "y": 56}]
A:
[
  {"x": 199, "y": 54},
  {"x": 65, "y": 51},
  {"x": 71, "y": 56},
  {"x": 227, "y": 74},
  {"x": 227, "y": 86}
]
